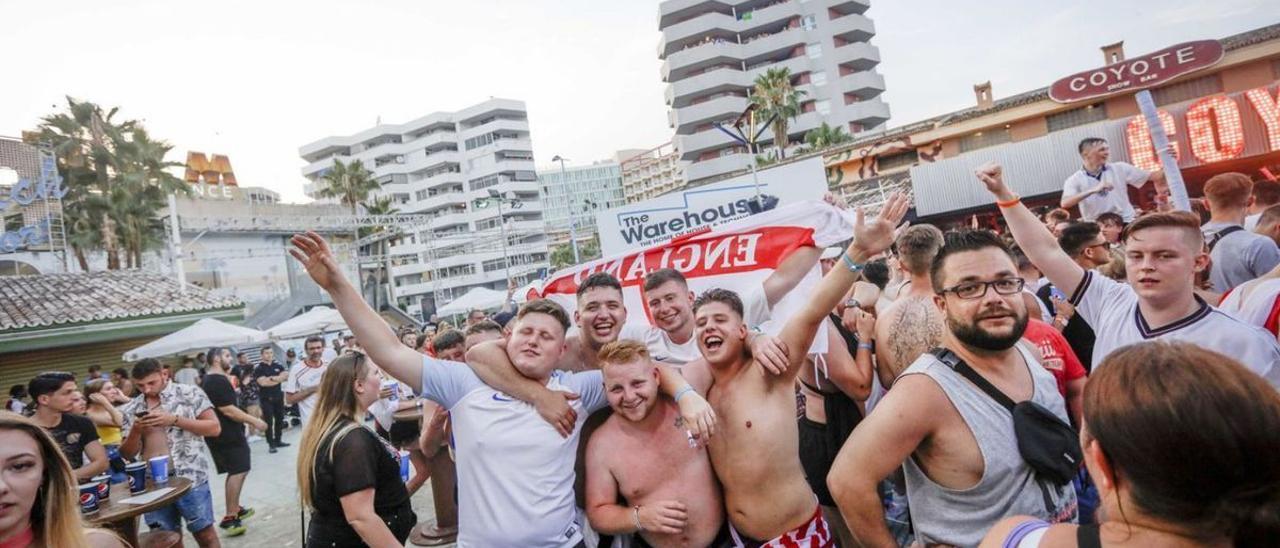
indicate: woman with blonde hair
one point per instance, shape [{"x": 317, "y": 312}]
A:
[
  {"x": 39, "y": 497},
  {"x": 358, "y": 499}
]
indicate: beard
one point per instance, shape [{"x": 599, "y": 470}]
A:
[{"x": 974, "y": 336}]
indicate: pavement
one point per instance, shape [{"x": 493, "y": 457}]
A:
[{"x": 272, "y": 491}]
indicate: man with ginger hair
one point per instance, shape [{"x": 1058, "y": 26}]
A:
[
  {"x": 643, "y": 474},
  {"x": 1238, "y": 255}
]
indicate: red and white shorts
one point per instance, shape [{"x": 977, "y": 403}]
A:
[{"x": 814, "y": 533}]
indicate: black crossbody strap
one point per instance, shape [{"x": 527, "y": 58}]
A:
[
  {"x": 1218, "y": 236},
  {"x": 959, "y": 366}
]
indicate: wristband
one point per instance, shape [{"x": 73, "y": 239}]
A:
[
  {"x": 1004, "y": 204},
  {"x": 681, "y": 392},
  {"x": 848, "y": 263},
  {"x": 867, "y": 345},
  {"x": 636, "y": 515}
]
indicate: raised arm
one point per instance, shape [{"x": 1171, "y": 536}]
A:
[
  {"x": 1032, "y": 236},
  {"x": 870, "y": 238},
  {"x": 490, "y": 362},
  {"x": 371, "y": 330},
  {"x": 789, "y": 273}
]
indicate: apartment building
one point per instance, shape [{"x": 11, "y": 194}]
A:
[
  {"x": 650, "y": 173},
  {"x": 575, "y": 195},
  {"x": 713, "y": 50},
  {"x": 448, "y": 166}
]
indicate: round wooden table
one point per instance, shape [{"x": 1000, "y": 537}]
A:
[{"x": 122, "y": 518}]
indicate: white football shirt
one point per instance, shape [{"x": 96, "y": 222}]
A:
[
  {"x": 1116, "y": 200},
  {"x": 1111, "y": 308},
  {"x": 515, "y": 472},
  {"x": 756, "y": 311},
  {"x": 301, "y": 376},
  {"x": 1256, "y": 302}
]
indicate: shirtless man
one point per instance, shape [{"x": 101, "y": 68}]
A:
[
  {"x": 912, "y": 324},
  {"x": 755, "y": 451},
  {"x": 642, "y": 457}
]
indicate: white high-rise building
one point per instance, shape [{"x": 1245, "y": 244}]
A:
[
  {"x": 712, "y": 51},
  {"x": 576, "y": 194},
  {"x": 448, "y": 165}
]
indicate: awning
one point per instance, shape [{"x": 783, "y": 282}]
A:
[
  {"x": 480, "y": 298},
  {"x": 320, "y": 319},
  {"x": 198, "y": 336}
]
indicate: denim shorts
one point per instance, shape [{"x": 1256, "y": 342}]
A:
[{"x": 196, "y": 507}]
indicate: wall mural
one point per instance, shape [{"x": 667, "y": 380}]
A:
[{"x": 852, "y": 165}]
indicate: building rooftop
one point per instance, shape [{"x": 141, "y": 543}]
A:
[{"x": 28, "y": 302}]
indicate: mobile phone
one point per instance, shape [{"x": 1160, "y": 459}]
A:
[{"x": 141, "y": 414}]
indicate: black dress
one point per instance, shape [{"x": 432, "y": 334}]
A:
[{"x": 360, "y": 460}]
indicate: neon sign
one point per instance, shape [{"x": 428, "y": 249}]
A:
[
  {"x": 1215, "y": 129},
  {"x": 24, "y": 193}
]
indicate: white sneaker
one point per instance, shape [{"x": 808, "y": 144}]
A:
[{"x": 253, "y": 439}]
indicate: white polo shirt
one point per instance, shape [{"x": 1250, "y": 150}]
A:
[
  {"x": 1115, "y": 200},
  {"x": 755, "y": 308},
  {"x": 515, "y": 472},
  {"x": 1111, "y": 308},
  {"x": 302, "y": 376}
]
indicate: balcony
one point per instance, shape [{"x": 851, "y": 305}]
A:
[
  {"x": 763, "y": 46},
  {"x": 685, "y": 119},
  {"x": 680, "y": 64},
  {"x": 698, "y": 171},
  {"x": 860, "y": 56},
  {"x": 693, "y": 145},
  {"x": 849, "y": 7},
  {"x": 679, "y": 35},
  {"x": 868, "y": 113},
  {"x": 679, "y": 93},
  {"x": 750, "y": 22},
  {"x": 865, "y": 85},
  {"x": 852, "y": 28},
  {"x": 672, "y": 11}
]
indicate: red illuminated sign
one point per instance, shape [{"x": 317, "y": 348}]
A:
[
  {"x": 1139, "y": 72},
  {"x": 1215, "y": 128}
]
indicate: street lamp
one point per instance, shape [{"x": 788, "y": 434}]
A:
[
  {"x": 513, "y": 203},
  {"x": 573, "y": 233}
]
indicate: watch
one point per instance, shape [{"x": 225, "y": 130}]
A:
[{"x": 852, "y": 303}]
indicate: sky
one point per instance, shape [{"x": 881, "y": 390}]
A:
[{"x": 256, "y": 80}]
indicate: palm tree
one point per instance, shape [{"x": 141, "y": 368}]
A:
[
  {"x": 351, "y": 183},
  {"x": 141, "y": 187},
  {"x": 773, "y": 95},
  {"x": 381, "y": 206},
  {"x": 826, "y": 136}
]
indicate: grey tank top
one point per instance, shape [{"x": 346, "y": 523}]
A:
[{"x": 1008, "y": 486}]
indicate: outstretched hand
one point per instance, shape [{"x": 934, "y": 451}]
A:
[
  {"x": 314, "y": 254},
  {"x": 874, "y": 236}
]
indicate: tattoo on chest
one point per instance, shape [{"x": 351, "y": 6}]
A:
[{"x": 679, "y": 422}]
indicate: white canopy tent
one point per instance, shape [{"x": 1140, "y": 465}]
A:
[
  {"x": 198, "y": 336},
  {"x": 320, "y": 319},
  {"x": 478, "y": 298}
]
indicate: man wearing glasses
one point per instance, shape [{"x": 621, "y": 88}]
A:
[{"x": 956, "y": 445}]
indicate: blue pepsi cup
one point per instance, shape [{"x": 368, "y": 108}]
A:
[
  {"x": 137, "y": 474},
  {"x": 404, "y": 466},
  {"x": 89, "y": 497},
  {"x": 159, "y": 469},
  {"x": 104, "y": 486},
  {"x": 395, "y": 390}
]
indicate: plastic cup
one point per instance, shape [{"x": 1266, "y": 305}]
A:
[
  {"x": 395, "y": 390},
  {"x": 89, "y": 497},
  {"x": 137, "y": 474},
  {"x": 104, "y": 486},
  {"x": 159, "y": 469},
  {"x": 404, "y": 466}
]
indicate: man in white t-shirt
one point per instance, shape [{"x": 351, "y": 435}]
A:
[
  {"x": 1164, "y": 251},
  {"x": 1100, "y": 186},
  {"x": 304, "y": 378},
  {"x": 515, "y": 471}
]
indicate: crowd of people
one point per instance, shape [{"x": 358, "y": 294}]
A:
[{"x": 1107, "y": 379}]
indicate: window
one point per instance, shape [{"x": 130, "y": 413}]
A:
[
  {"x": 495, "y": 264},
  {"x": 984, "y": 139},
  {"x": 1077, "y": 117},
  {"x": 814, "y": 50},
  {"x": 893, "y": 161},
  {"x": 483, "y": 182},
  {"x": 809, "y": 22},
  {"x": 823, "y": 107},
  {"x": 818, "y": 78},
  {"x": 1185, "y": 91}
]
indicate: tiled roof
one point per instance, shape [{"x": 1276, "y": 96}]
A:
[{"x": 66, "y": 299}]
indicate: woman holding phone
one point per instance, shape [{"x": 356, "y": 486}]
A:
[{"x": 357, "y": 499}]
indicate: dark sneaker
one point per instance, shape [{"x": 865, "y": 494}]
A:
[
  {"x": 232, "y": 526},
  {"x": 272, "y": 449},
  {"x": 282, "y": 444},
  {"x": 245, "y": 513}
]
